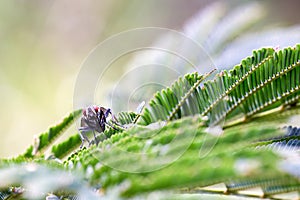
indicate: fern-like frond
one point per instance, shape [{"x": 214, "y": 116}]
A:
[
  {"x": 288, "y": 142},
  {"x": 265, "y": 80},
  {"x": 66, "y": 147},
  {"x": 175, "y": 102},
  {"x": 260, "y": 188},
  {"x": 5, "y": 194},
  {"x": 126, "y": 117},
  {"x": 73, "y": 142},
  {"x": 138, "y": 152},
  {"x": 44, "y": 140},
  {"x": 147, "y": 154},
  {"x": 267, "y": 84}
]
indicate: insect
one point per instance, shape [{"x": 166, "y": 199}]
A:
[{"x": 94, "y": 118}]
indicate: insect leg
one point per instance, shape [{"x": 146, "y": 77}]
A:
[
  {"x": 107, "y": 112},
  {"x": 95, "y": 138},
  {"x": 83, "y": 136},
  {"x": 83, "y": 139}
]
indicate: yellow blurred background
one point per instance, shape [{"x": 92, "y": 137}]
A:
[{"x": 43, "y": 44}]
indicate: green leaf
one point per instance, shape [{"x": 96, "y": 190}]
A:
[
  {"x": 66, "y": 147},
  {"x": 261, "y": 82},
  {"x": 45, "y": 139}
]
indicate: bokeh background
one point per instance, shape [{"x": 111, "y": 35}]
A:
[{"x": 43, "y": 44}]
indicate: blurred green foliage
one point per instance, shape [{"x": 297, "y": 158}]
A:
[{"x": 43, "y": 44}]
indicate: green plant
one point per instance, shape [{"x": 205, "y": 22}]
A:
[{"x": 222, "y": 131}]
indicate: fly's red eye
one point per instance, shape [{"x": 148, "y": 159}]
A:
[
  {"x": 96, "y": 108},
  {"x": 84, "y": 112}
]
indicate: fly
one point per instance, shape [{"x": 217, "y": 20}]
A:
[{"x": 94, "y": 118}]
